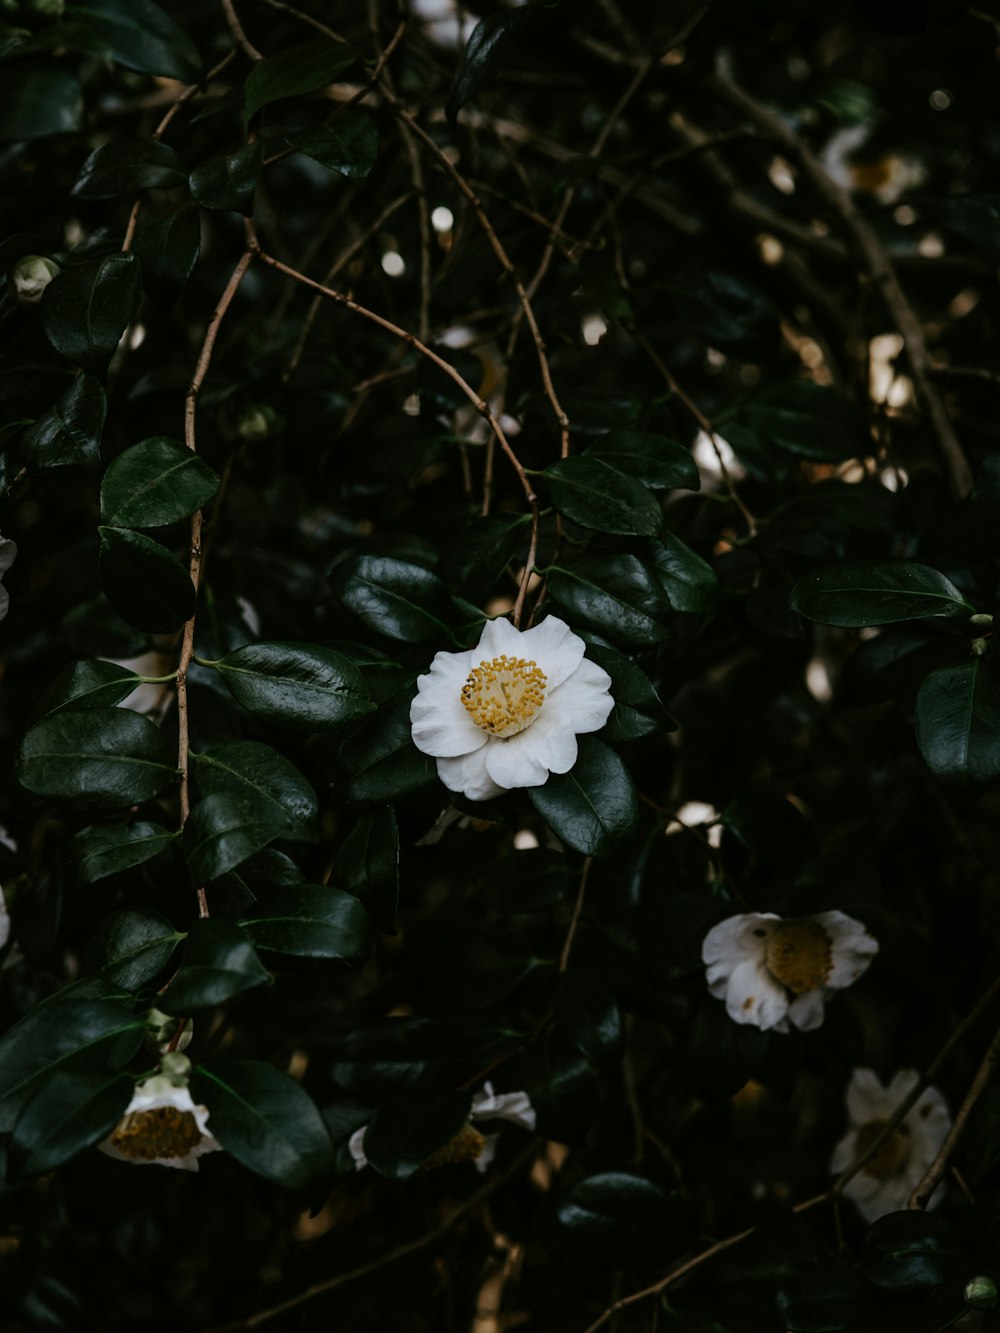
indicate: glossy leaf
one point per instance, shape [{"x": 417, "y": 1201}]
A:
[
  {"x": 486, "y": 52},
  {"x": 379, "y": 759},
  {"x": 168, "y": 245},
  {"x": 296, "y": 684},
  {"x": 126, "y": 166},
  {"x": 311, "y": 921},
  {"x": 689, "y": 581},
  {"x": 256, "y": 769},
  {"x": 87, "y": 307},
  {"x": 218, "y": 962},
  {"x": 39, "y": 100},
  {"x": 228, "y": 182},
  {"x": 88, "y": 684},
  {"x": 265, "y": 1120},
  {"x": 619, "y": 597},
  {"x": 105, "y": 849},
  {"x": 65, "y": 1113},
  {"x": 298, "y": 70},
  {"x": 139, "y": 35},
  {"x": 592, "y": 493},
  {"x": 958, "y": 720},
  {"x": 70, "y": 431},
  {"x": 155, "y": 482},
  {"x": 348, "y": 145},
  {"x": 227, "y": 828},
  {"x": 591, "y": 806},
  {"x": 395, "y": 1053},
  {"x": 367, "y": 864},
  {"x": 638, "y": 709},
  {"x": 804, "y": 418},
  {"x": 131, "y": 947},
  {"x": 877, "y": 592},
  {"x": 394, "y": 598},
  {"x": 623, "y": 1221},
  {"x": 106, "y": 755},
  {"x": 481, "y": 551},
  {"x": 651, "y": 459},
  {"x": 145, "y": 584},
  {"x": 406, "y": 1130}
]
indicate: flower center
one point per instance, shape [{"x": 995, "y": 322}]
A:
[
  {"x": 891, "y": 1156},
  {"x": 162, "y": 1131},
  {"x": 467, "y": 1144},
  {"x": 503, "y": 695},
  {"x": 799, "y": 955}
]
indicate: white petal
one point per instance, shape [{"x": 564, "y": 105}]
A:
[
  {"x": 467, "y": 773},
  {"x": 8, "y": 553},
  {"x": 753, "y": 996},
  {"x": 550, "y": 742},
  {"x": 865, "y": 1097},
  {"x": 901, "y": 1085},
  {"x": 556, "y": 649},
  {"x": 844, "y": 1153},
  {"x": 735, "y": 939},
  {"x": 498, "y": 639},
  {"x": 891, "y": 1196},
  {"x": 442, "y": 727},
  {"x": 514, "y": 762},
  {"x": 581, "y": 703},
  {"x": 486, "y": 1153},
  {"x": 852, "y": 948},
  {"x": 806, "y": 1010},
  {"x": 356, "y": 1147},
  {"x": 513, "y": 1106}
]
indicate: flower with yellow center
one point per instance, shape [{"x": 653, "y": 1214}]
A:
[
  {"x": 162, "y": 1125},
  {"x": 774, "y": 973},
  {"x": 507, "y": 713},
  {"x": 886, "y": 1181}
]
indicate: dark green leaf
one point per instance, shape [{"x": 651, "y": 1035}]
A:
[
  {"x": 958, "y": 721},
  {"x": 480, "y": 551},
  {"x": 876, "y": 592},
  {"x": 90, "y": 684},
  {"x": 406, "y": 1130},
  {"x": 39, "y": 100},
  {"x": 155, "y": 482},
  {"x": 599, "y": 496},
  {"x": 168, "y": 246},
  {"x": 63, "y": 1034},
  {"x": 623, "y": 1221},
  {"x": 87, "y": 307},
  {"x": 65, "y": 1113},
  {"x": 139, "y": 35},
  {"x": 689, "y": 581},
  {"x": 249, "y": 766},
  {"x": 911, "y": 1251},
  {"x": 767, "y": 822},
  {"x": 367, "y": 864},
  {"x": 348, "y": 145},
  {"x": 311, "y": 921},
  {"x": 265, "y": 1120},
  {"x": 380, "y": 761},
  {"x": 393, "y": 597},
  {"x": 638, "y": 710},
  {"x": 218, "y": 962},
  {"x": 562, "y": 1085},
  {"x": 145, "y": 584},
  {"x": 395, "y": 1053},
  {"x": 487, "y": 51},
  {"x": 586, "y": 1012},
  {"x": 106, "y": 755},
  {"x": 70, "y": 431},
  {"x": 300, "y": 69},
  {"x": 228, "y": 182},
  {"x": 651, "y": 459},
  {"x": 126, "y": 166},
  {"x": 105, "y": 849},
  {"x": 228, "y": 827},
  {"x": 131, "y": 947},
  {"x": 297, "y": 684},
  {"x": 592, "y": 805},
  {"x": 617, "y": 596},
  {"x": 804, "y": 418}
]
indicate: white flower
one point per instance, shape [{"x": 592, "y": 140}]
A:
[
  {"x": 886, "y": 1181},
  {"x": 468, "y": 1144},
  {"x": 162, "y": 1126},
  {"x": 31, "y": 275},
  {"x": 507, "y": 713},
  {"x": 887, "y": 177},
  {"x": 772, "y": 972}
]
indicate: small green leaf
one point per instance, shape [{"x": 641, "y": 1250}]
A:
[
  {"x": 266, "y": 1121},
  {"x": 144, "y": 583},
  {"x": 95, "y": 755},
  {"x": 89, "y": 684},
  {"x": 126, "y": 166},
  {"x": 228, "y": 182},
  {"x": 65, "y": 1113},
  {"x": 69, "y": 433},
  {"x": 348, "y": 145},
  {"x": 689, "y": 581},
  {"x": 249, "y": 766},
  {"x": 619, "y": 597},
  {"x": 131, "y": 947},
  {"x": 486, "y": 53},
  {"x": 394, "y": 598},
  {"x": 806, "y": 419},
  {"x": 218, "y": 962},
  {"x": 408, "y": 1129},
  {"x": 168, "y": 245},
  {"x": 876, "y": 592},
  {"x": 311, "y": 921},
  {"x": 105, "y": 849},
  {"x": 39, "y": 99},
  {"x": 228, "y": 827},
  {"x": 297, "y": 684},
  {"x": 598, "y": 496},
  {"x": 300, "y": 69},
  {"x": 591, "y": 806},
  {"x": 480, "y": 552},
  {"x": 651, "y": 459},
  {"x": 379, "y": 760},
  {"x": 367, "y": 864},
  {"x": 153, "y": 483},
  {"x": 623, "y": 1221},
  {"x": 87, "y": 307},
  {"x": 958, "y": 721},
  {"x": 139, "y": 35},
  {"x": 638, "y": 710}
]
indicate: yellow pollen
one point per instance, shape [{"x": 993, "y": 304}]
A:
[
  {"x": 162, "y": 1131},
  {"x": 892, "y": 1155},
  {"x": 800, "y": 955},
  {"x": 467, "y": 1144},
  {"x": 503, "y": 694}
]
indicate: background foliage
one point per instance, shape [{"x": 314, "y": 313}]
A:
[{"x": 724, "y": 278}]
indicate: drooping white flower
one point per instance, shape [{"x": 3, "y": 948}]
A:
[
  {"x": 507, "y": 713},
  {"x": 886, "y": 1181},
  {"x": 887, "y": 178},
  {"x": 162, "y": 1125},
  {"x": 774, "y": 973},
  {"x": 469, "y": 1144},
  {"x": 31, "y": 275}
]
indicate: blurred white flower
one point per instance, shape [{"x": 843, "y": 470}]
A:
[
  {"x": 8, "y": 554},
  {"x": 887, "y": 177},
  {"x": 4, "y": 921},
  {"x": 886, "y": 1181},
  {"x": 507, "y": 713},
  {"x": 774, "y": 973},
  {"x": 468, "y": 1144},
  {"x": 162, "y": 1126},
  {"x": 31, "y": 275}
]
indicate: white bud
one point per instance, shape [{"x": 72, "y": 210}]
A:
[
  {"x": 176, "y": 1067},
  {"x": 31, "y": 275},
  {"x": 981, "y": 1293},
  {"x": 255, "y": 424}
]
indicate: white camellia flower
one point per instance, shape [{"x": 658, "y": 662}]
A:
[
  {"x": 886, "y": 1181},
  {"x": 774, "y": 973},
  {"x": 162, "y": 1125},
  {"x": 507, "y": 713},
  {"x": 31, "y": 275},
  {"x": 469, "y": 1144},
  {"x": 887, "y": 177}
]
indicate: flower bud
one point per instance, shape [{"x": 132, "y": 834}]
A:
[
  {"x": 176, "y": 1067},
  {"x": 254, "y": 425},
  {"x": 31, "y": 275},
  {"x": 980, "y": 620},
  {"x": 981, "y": 1293},
  {"x": 979, "y": 647},
  {"x": 163, "y": 1029}
]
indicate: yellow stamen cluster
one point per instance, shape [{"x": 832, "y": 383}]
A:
[
  {"x": 162, "y": 1131},
  {"x": 891, "y": 1155},
  {"x": 800, "y": 955},
  {"x": 502, "y": 695},
  {"x": 467, "y": 1144}
]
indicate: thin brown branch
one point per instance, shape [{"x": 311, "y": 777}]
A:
[
  {"x": 239, "y": 36},
  {"x": 303, "y": 17},
  {"x": 575, "y": 919}
]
